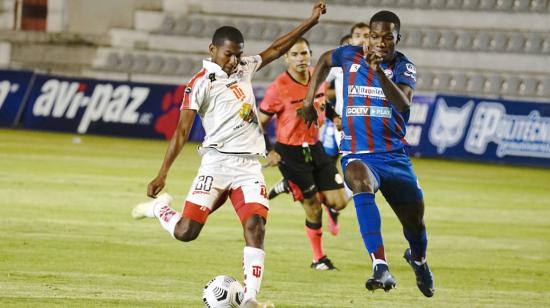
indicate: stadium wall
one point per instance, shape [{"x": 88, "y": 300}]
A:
[
  {"x": 98, "y": 16},
  {"x": 455, "y": 127}
]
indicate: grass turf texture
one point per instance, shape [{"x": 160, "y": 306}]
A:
[{"x": 67, "y": 238}]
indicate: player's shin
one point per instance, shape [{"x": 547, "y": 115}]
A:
[
  {"x": 314, "y": 233},
  {"x": 253, "y": 267},
  {"x": 370, "y": 226}
]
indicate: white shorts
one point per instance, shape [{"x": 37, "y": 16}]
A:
[{"x": 224, "y": 175}]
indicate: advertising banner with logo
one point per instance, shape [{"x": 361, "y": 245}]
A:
[
  {"x": 13, "y": 88},
  {"x": 418, "y": 121},
  {"x": 487, "y": 130},
  {"x": 106, "y": 107}
]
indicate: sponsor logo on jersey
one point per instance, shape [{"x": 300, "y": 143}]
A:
[
  {"x": 363, "y": 91},
  {"x": 368, "y": 111},
  {"x": 247, "y": 113},
  {"x": 7, "y": 88},
  {"x": 354, "y": 68},
  {"x": 107, "y": 103},
  {"x": 389, "y": 73},
  {"x": 411, "y": 71}
]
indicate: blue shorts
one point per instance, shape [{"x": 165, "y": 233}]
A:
[{"x": 393, "y": 175}]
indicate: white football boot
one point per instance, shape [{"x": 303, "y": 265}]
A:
[{"x": 146, "y": 209}]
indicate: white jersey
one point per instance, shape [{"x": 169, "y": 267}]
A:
[
  {"x": 337, "y": 75},
  {"x": 227, "y": 107}
]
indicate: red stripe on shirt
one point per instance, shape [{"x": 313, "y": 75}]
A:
[
  {"x": 368, "y": 120},
  {"x": 387, "y": 129},
  {"x": 356, "y": 60},
  {"x": 187, "y": 94}
]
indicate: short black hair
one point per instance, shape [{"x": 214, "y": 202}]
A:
[
  {"x": 359, "y": 25},
  {"x": 387, "y": 16},
  {"x": 303, "y": 39},
  {"x": 345, "y": 38},
  {"x": 227, "y": 33}
]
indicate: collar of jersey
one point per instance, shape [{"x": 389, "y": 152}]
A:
[{"x": 212, "y": 67}]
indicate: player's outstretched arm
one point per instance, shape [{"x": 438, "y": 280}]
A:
[
  {"x": 399, "y": 95},
  {"x": 319, "y": 75},
  {"x": 177, "y": 142},
  {"x": 281, "y": 45}
]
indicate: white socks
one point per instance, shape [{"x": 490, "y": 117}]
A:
[
  {"x": 253, "y": 266},
  {"x": 375, "y": 261},
  {"x": 167, "y": 217}
]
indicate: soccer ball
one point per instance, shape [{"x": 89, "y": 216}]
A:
[{"x": 223, "y": 292}]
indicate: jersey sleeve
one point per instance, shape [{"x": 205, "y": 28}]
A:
[
  {"x": 332, "y": 74},
  {"x": 271, "y": 104},
  {"x": 405, "y": 73},
  {"x": 337, "y": 55},
  {"x": 252, "y": 63},
  {"x": 194, "y": 94}
]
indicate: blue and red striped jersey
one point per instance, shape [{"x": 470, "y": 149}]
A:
[{"x": 370, "y": 122}]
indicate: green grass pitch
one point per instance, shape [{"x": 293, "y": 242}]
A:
[{"x": 67, "y": 238}]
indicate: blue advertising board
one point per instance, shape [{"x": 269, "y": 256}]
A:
[
  {"x": 418, "y": 120},
  {"x": 487, "y": 130},
  {"x": 106, "y": 107},
  {"x": 13, "y": 88}
]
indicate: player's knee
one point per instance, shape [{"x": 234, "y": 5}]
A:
[
  {"x": 360, "y": 184},
  {"x": 341, "y": 201},
  {"x": 312, "y": 208},
  {"x": 358, "y": 178},
  {"x": 254, "y": 226},
  {"x": 186, "y": 231},
  {"x": 185, "y": 234},
  {"x": 336, "y": 200}
]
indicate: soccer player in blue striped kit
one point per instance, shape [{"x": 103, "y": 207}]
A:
[{"x": 378, "y": 89}]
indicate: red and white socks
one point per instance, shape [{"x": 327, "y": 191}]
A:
[
  {"x": 253, "y": 267},
  {"x": 167, "y": 217}
]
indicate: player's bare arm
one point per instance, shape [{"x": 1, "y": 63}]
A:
[
  {"x": 177, "y": 142},
  {"x": 280, "y": 46},
  {"x": 399, "y": 95},
  {"x": 273, "y": 158},
  {"x": 319, "y": 75}
]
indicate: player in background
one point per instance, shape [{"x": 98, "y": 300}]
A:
[
  {"x": 311, "y": 174},
  {"x": 221, "y": 93},
  {"x": 329, "y": 133},
  {"x": 379, "y": 83}
]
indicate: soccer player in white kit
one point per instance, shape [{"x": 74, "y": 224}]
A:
[{"x": 221, "y": 93}]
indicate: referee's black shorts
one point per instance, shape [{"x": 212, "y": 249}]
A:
[{"x": 310, "y": 176}]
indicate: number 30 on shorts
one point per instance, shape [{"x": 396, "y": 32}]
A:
[{"x": 204, "y": 183}]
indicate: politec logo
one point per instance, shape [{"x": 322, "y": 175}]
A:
[
  {"x": 515, "y": 135},
  {"x": 64, "y": 99},
  {"x": 7, "y": 88}
]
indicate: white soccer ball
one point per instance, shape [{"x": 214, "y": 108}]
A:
[{"x": 223, "y": 292}]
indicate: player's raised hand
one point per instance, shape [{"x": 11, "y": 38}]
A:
[
  {"x": 319, "y": 9},
  {"x": 309, "y": 114},
  {"x": 156, "y": 185}
]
